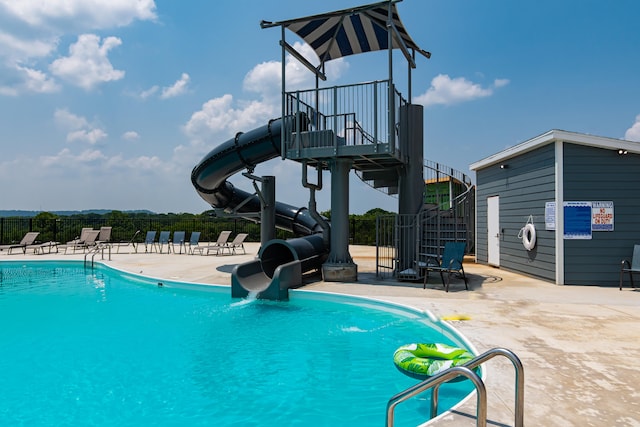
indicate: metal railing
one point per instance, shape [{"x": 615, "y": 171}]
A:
[
  {"x": 453, "y": 224},
  {"x": 357, "y": 113},
  {"x": 404, "y": 241},
  {"x": 133, "y": 230},
  {"x": 95, "y": 250},
  {"x": 435, "y": 171},
  {"x": 466, "y": 370}
]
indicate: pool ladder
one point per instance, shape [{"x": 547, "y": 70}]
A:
[
  {"x": 466, "y": 370},
  {"x": 99, "y": 248}
]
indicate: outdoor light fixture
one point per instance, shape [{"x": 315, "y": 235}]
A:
[
  {"x": 504, "y": 166},
  {"x": 622, "y": 152}
]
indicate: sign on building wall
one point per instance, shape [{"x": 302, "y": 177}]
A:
[
  {"x": 550, "y": 216},
  {"x": 602, "y": 216},
  {"x": 577, "y": 220},
  {"x": 581, "y": 218}
]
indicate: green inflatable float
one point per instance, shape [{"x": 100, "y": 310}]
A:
[{"x": 424, "y": 360}]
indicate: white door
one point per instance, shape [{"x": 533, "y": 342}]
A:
[{"x": 493, "y": 230}]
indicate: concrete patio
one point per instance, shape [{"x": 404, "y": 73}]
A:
[{"x": 579, "y": 344}]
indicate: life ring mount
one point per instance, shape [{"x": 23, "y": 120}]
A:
[{"x": 528, "y": 234}]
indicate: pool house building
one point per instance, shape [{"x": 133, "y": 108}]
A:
[{"x": 562, "y": 206}]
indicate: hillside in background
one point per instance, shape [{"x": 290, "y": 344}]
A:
[{"x": 14, "y": 213}]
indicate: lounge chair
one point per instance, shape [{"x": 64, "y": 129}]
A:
[
  {"x": 237, "y": 243},
  {"x": 104, "y": 236},
  {"x": 192, "y": 244},
  {"x": 451, "y": 262},
  {"x": 178, "y": 239},
  {"x": 27, "y": 240},
  {"x": 43, "y": 248},
  {"x": 82, "y": 237},
  {"x": 633, "y": 267},
  {"x": 131, "y": 242},
  {"x": 222, "y": 242},
  {"x": 163, "y": 239},
  {"x": 90, "y": 240},
  {"x": 149, "y": 241}
]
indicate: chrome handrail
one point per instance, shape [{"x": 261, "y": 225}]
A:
[
  {"x": 519, "y": 377},
  {"x": 467, "y": 370},
  {"x": 98, "y": 248},
  {"x": 436, "y": 380}
]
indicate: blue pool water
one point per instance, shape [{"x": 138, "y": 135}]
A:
[{"x": 98, "y": 347}]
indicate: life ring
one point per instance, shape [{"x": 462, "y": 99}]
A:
[
  {"x": 424, "y": 360},
  {"x": 529, "y": 236}
]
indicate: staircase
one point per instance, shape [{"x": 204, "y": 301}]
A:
[
  {"x": 447, "y": 216},
  {"x": 455, "y": 224}
]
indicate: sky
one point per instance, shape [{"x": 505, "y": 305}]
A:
[{"x": 109, "y": 104}]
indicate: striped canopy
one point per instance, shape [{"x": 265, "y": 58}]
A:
[{"x": 357, "y": 30}]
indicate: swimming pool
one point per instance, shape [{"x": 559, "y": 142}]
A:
[{"x": 99, "y": 347}]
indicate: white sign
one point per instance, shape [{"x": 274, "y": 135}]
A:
[
  {"x": 550, "y": 216},
  {"x": 602, "y": 216}
]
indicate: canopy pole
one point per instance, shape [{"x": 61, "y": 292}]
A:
[
  {"x": 391, "y": 113},
  {"x": 283, "y": 151}
]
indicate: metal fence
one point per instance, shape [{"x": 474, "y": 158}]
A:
[
  {"x": 65, "y": 229},
  {"x": 403, "y": 242}
]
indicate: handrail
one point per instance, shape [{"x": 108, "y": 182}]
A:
[
  {"x": 445, "y": 376},
  {"x": 95, "y": 250},
  {"x": 519, "y": 377},
  {"x": 481, "y": 411},
  {"x": 447, "y": 171}
]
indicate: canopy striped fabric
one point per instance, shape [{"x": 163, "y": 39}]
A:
[{"x": 350, "y": 31}]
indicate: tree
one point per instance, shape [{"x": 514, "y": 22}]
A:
[{"x": 47, "y": 224}]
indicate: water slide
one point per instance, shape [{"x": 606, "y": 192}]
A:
[{"x": 280, "y": 263}]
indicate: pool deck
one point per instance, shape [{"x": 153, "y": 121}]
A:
[{"x": 579, "y": 344}]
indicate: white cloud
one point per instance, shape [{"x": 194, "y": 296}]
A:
[
  {"x": 447, "y": 91},
  {"x": 79, "y": 129},
  {"x": 69, "y": 120},
  {"x": 224, "y": 116},
  {"x": 633, "y": 133},
  {"x": 177, "y": 89},
  {"x": 31, "y": 31},
  {"x": 66, "y": 158},
  {"x": 8, "y": 91},
  {"x": 37, "y": 81},
  {"x": 26, "y": 79},
  {"x": 131, "y": 136},
  {"x": 266, "y": 78},
  {"x": 91, "y": 136},
  {"x": 501, "y": 82},
  {"x": 141, "y": 163},
  {"x": 87, "y": 64},
  {"x": 16, "y": 48},
  {"x": 218, "y": 117},
  {"x": 13, "y": 54},
  {"x": 93, "y": 14},
  {"x": 149, "y": 92}
]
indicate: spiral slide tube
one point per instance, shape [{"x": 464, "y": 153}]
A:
[{"x": 281, "y": 263}]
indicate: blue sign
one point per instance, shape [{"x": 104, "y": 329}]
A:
[{"x": 577, "y": 220}]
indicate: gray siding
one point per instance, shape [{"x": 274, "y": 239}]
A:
[
  {"x": 596, "y": 174},
  {"x": 523, "y": 187}
]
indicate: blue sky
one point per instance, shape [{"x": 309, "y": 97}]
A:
[{"x": 109, "y": 104}]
